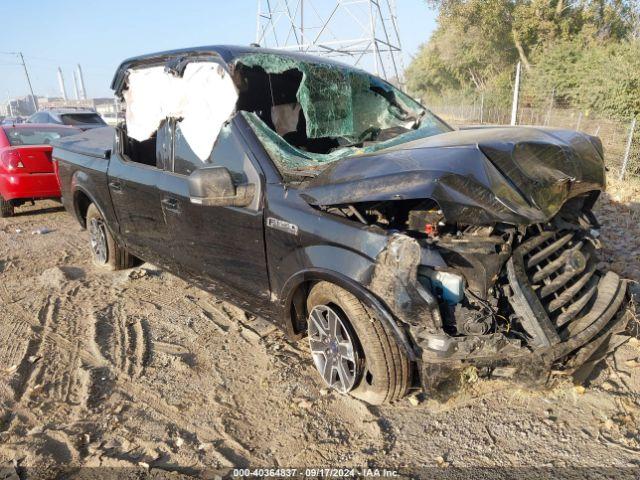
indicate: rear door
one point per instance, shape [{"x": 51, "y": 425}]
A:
[{"x": 134, "y": 176}]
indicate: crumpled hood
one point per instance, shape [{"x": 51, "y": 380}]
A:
[{"x": 518, "y": 175}]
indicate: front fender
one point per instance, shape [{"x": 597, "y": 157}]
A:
[{"x": 353, "y": 287}]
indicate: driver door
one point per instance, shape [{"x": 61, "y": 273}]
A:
[{"x": 221, "y": 248}]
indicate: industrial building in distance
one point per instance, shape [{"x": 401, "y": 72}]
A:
[{"x": 29, "y": 104}]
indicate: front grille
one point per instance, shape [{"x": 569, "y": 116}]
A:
[{"x": 557, "y": 291}]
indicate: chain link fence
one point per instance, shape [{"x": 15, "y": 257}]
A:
[{"x": 620, "y": 138}]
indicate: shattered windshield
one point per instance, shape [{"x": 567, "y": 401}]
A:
[{"x": 310, "y": 114}]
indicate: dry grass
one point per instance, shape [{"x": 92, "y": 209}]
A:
[
  {"x": 625, "y": 191},
  {"x": 618, "y": 211}
]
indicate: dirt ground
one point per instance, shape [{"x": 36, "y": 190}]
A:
[{"x": 139, "y": 369}]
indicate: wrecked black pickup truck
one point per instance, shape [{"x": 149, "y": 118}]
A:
[{"x": 327, "y": 201}]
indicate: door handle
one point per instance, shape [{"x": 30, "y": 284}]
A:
[
  {"x": 170, "y": 203},
  {"x": 115, "y": 186}
]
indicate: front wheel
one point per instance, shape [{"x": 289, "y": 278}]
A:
[
  {"x": 105, "y": 251},
  {"x": 352, "y": 349}
]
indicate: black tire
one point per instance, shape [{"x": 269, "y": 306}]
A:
[
  {"x": 6, "y": 208},
  {"x": 115, "y": 257},
  {"x": 384, "y": 370}
]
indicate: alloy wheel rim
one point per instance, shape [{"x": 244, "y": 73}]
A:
[
  {"x": 98, "y": 240},
  {"x": 332, "y": 348}
]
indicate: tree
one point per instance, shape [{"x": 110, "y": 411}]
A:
[
  {"x": 478, "y": 42},
  {"x": 591, "y": 76}
]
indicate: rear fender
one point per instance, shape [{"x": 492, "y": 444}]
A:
[{"x": 80, "y": 216}]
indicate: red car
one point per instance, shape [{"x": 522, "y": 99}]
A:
[{"x": 26, "y": 170}]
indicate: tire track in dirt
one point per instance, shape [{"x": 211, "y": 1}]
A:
[
  {"x": 67, "y": 375},
  {"x": 23, "y": 379},
  {"x": 53, "y": 366},
  {"x": 14, "y": 339},
  {"x": 122, "y": 361},
  {"x": 216, "y": 313},
  {"x": 122, "y": 340},
  {"x": 62, "y": 372},
  {"x": 175, "y": 414}
]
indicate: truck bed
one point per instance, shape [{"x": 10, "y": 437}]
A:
[
  {"x": 82, "y": 162},
  {"x": 95, "y": 143}
]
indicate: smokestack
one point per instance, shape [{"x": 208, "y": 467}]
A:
[
  {"x": 63, "y": 90},
  {"x": 83, "y": 91},
  {"x": 76, "y": 90}
]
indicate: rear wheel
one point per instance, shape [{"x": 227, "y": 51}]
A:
[
  {"x": 352, "y": 349},
  {"x": 6, "y": 208},
  {"x": 105, "y": 251}
]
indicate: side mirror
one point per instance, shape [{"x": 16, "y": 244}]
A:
[{"x": 214, "y": 187}]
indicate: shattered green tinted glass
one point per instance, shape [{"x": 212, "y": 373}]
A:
[
  {"x": 290, "y": 158},
  {"x": 338, "y": 101},
  {"x": 285, "y": 154}
]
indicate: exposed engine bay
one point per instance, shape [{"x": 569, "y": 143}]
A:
[
  {"x": 498, "y": 292},
  {"x": 466, "y": 266}
]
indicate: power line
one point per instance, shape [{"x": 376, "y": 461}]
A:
[
  {"x": 57, "y": 61},
  {"x": 358, "y": 30}
]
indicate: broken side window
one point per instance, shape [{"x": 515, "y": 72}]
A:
[
  {"x": 185, "y": 161},
  {"x": 200, "y": 101},
  {"x": 227, "y": 152},
  {"x": 164, "y": 142}
]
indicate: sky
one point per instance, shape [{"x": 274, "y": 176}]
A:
[{"x": 100, "y": 34}]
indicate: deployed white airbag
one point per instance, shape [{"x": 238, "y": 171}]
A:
[{"x": 204, "y": 98}]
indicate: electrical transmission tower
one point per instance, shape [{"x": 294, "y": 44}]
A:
[{"x": 364, "y": 33}]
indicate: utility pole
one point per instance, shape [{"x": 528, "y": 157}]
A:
[
  {"x": 83, "y": 90},
  {"x": 76, "y": 88},
  {"x": 26, "y": 72},
  {"x": 516, "y": 95}
]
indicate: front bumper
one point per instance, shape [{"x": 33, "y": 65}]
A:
[
  {"x": 565, "y": 316},
  {"x": 29, "y": 185},
  {"x": 443, "y": 358}
]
